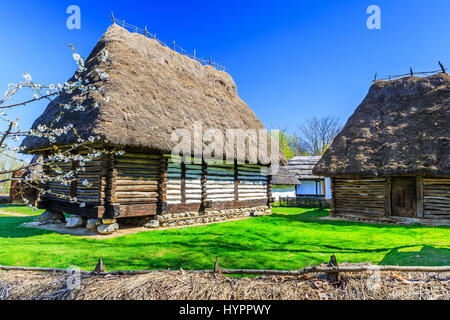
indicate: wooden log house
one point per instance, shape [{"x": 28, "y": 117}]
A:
[
  {"x": 391, "y": 160},
  {"x": 152, "y": 91}
]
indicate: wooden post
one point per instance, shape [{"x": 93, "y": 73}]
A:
[
  {"x": 107, "y": 164},
  {"x": 236, "y": 180},
  {"x": 269, "y": 191},
  {"x": 333, "y": 277},
  {"x": 203, "y": 182},
  {"x": 419, "y": 196},
  {"x": 442, "y": 67},
  {"x": 216, "y": 266},
  {"x": 112, "y": 183},
  {"x": 74, "y": 183},
  {"x": 162, "y": 184},
  {"x": 183, "y": 181},
  {"x": 388, "y": 207},
  {"x": 99, "y": 267},
  {"x": 333, "y": 197}
]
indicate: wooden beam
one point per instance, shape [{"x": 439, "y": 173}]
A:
[
  {"x": 236, "y": 180},
  {"x": 203, "y": 181},
  {"x": 73, "y": 184},
  {"x": 333, "y": 196},
  {"x": 269, "y": 191},
  {"x": 388, "y": 205},
  {"x": 218, "y": 205},
  {"x": 162, "y": 183},
  {"x": 419, "y": 196},
  {"x": 183, "y": 181}
]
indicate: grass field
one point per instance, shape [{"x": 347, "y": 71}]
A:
[
  {"x": 290, "y": 238},
  {"x": 19, "y": 209}
]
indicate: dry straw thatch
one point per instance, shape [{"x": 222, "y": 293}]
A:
[
  {"x": 284, "y": 177},
  {"x": 401, "y": 127},
  {"x": 17, "y": 285},
  {"x": 153, "y": 91}
]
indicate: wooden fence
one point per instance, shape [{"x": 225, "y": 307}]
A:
[
  {"x": 332, "y": 270},
  {"x": 411, "y": 73},
  {"x": 304, "y": 201},
  {"x": 174, "y": 46}
]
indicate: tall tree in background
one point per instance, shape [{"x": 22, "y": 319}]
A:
[
  {"x": 316, "y": 135},
  {"x": 286, "y": 142}
]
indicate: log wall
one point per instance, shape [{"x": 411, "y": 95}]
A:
[
  {"x": 359, "y": 196},
  {"x": 192, "y": 183},
  {"x": 252, "y": 182},
  {"x": 88, "y": 184},
  {"x": 436, "y": 198},
  {"x": 220, "y": 183},
  {"x": 137, "y": 184},
  {"x": 173, "y": 182},
  {"x": 58, "y": 190},
  {"x": 137, "y": 179}
]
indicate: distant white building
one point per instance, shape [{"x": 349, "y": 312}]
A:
[
  {"x": 310, "y": 185},
  {"x": 284, "y": 184}
]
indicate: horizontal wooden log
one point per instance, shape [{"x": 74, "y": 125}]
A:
[
  {"x": 136, "y": 182},
  {"x": 140, "y": 155},
  {"x": 130, "y": 188},
  {"x": 307, "y": 270},
  {"x": 136, "y": 210}
]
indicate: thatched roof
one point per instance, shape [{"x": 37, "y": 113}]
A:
[
  {"x": 284, "y": 177},
  {"x": 153, "y": 91},
  {"x": 401, "y": 127},
  {"x": 302, "y": 166}
]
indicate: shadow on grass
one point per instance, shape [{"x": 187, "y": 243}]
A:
[
  {"x": 314, "y": 215},
  {"x": 11, "y": 227},
  {"x": 418, "y": 256}
]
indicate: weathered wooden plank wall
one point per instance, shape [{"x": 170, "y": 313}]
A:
[
  {"x": 252, "y": 182},
  {"x": 57, "y": 189},
  {"x": 220, "y": 182},
  {"x": 137, "y": 179},
  {"x": 193, "y": 185},
  {"x": 436, "y": 198},
  {"x": 173, "y": 181},
  {"x": 364, "y": 196}
]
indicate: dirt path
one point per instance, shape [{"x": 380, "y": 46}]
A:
[{"x": 13, "y": 214}]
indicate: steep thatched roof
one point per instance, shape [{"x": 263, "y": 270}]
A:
[
  {"x": 153, "y": 91},
  {"x": 284, "y": 177},
  {"x": 302, "y": 166},
  {"x": 401, "y": 127}
]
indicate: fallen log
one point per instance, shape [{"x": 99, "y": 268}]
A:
[{"x": 317, "y": 269}]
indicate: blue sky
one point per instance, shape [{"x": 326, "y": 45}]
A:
[{"x": 291, "y": 60}]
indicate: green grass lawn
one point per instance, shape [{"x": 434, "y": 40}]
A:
[
  {"x": 291, "y": 238},
  {"x": 19, "y": 209}
]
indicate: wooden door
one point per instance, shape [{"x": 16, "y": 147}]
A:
[{"x": 404, "y": 201}]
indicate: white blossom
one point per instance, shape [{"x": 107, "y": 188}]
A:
[{"x": 27, "y": 76}]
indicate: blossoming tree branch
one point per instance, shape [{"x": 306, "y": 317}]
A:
[{"x": 82, "y": 86}]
